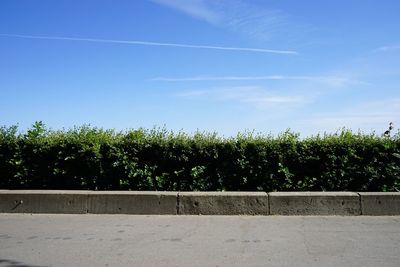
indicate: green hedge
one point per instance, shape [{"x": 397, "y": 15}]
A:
[{"x": 92, "y": 158}]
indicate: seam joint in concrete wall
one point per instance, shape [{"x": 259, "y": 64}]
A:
[
  {"x": 177, "y": 204},
  {"x": 361, "y": 206}
]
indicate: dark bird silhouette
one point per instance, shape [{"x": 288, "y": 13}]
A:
[{"x": 387, "y": 133}]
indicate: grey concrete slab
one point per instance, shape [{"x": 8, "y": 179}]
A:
[
  {"x": 43, "y": 201},
  {"x": 131, "y": 202},
  {"x": 314, "y": 203},
  {"x": 380, "y": 203},
  {"x": 223, "y": 203},
  {"x": 130, "y": 240},
  {"x": 192, "y": 203}
]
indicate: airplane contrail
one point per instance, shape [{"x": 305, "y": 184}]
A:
[{"x": 242, "y": 49}]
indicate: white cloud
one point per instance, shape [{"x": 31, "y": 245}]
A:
[
  {"x": 193, "y": 93},
  {"x": 257, "y": 97},
  {"x": 236, "y": 15},
  {"x": 195, "y": 8},
  {"x": 146, "y": 43},
  {"x": 332, "y": 81},
  {"x": 387, "y": 48},
  {"x": 218, "y": 78},
  {"x": 274, "y": 100},
  {"x": 374, "y": 115}
]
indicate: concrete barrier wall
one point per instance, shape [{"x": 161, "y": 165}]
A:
[
  {"x": 380, "y": 203},
  {"x": 43, "y": 201},
  {"x": 314, "y": 203},
  {"x": 196, "y": 203},
  {"x": 132, "y": 202},
  {"x": 223, "y": 203}
]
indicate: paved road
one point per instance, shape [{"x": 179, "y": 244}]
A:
[{"x": 126, "y": 240}]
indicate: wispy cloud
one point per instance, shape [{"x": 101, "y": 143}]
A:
[
  {"x": 274, "y": 99},
  {"x": 219, "y": 78},
  {"x": 146, "y": 43},
  {"x": 196, "y": 8},
  {"x": 335, "y": 81},
  {"x": 258, "y": 97},
  {"x": 235, "y": 15},
  {"x": 373, "y": 115},
  {"x": 387, "y": 48}
]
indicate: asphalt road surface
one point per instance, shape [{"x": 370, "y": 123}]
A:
[{"x": 128, "y": 240}]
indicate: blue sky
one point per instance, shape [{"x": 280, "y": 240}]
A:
[{"x": 213, "y": 65}]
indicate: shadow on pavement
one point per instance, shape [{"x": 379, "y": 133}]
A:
[{"x": 12, "y": 263}]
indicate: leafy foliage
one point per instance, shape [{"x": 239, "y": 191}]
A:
[{"x": 91, "y": 158}]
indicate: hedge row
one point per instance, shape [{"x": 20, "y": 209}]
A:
[{"x": 92, "y": 158}]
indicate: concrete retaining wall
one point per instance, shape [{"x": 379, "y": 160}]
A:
[
  {"x": 314, "y": 203},
  {"x": 196, "y": 203},
  {"x": 380, "y": 203},
  {"x": 129, "y": 202},
  {"x": 223, "y": 203},
  {"x": 43, "y": 201}
]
